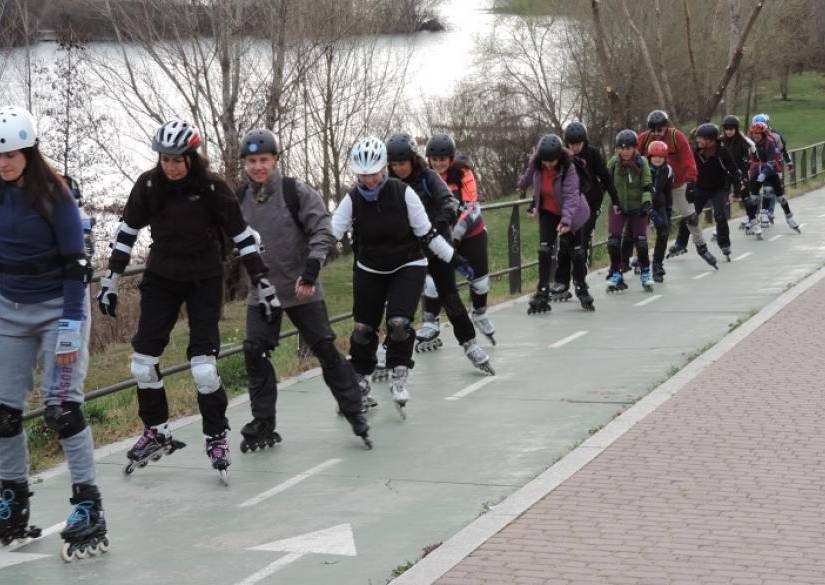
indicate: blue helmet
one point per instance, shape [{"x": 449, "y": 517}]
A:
[{"x": 761, "y": 118}]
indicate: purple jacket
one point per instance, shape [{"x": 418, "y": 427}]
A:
[{"x": 574, "y": 208}]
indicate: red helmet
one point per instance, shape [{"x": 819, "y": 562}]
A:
[
  {"x": 759, "y": 128},
  {"x": 657, "y": 148}
]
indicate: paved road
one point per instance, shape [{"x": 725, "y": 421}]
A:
[{"x": 431, "y": 475}]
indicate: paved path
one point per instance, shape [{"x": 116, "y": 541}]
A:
[{"x": 468, "y": 443}]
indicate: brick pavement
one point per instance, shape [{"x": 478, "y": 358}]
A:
[{"x": 722, "y": 484}]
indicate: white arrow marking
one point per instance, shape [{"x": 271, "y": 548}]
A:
[
  {"x": 776, "y": 237},
  {"x": 703, "y": 275},
  {"x": 292, "y": 481},
  {"x": 337, "y": 540},
  {"x": 567, "y": 339},
  {"x": 742, "y": 256},
  {"x": 647, "y": 301},
  {"x": 475, "y": 386},
  {"x": 8, "y": 559}
]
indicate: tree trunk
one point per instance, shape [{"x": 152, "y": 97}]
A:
[
  {"x": 714, "y": 100},
  {"x": 694, "y": 75},
  {"x": 278, "y": 47},
  {"x": 783, "y": 82},
  {"x": 651, "y": 68},
  {"x": 613, "y": 97},
  {"x": 734, "y": 11},
  {"x": 660, "y": 56}
]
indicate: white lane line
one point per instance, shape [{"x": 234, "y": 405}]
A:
[
  {"x": 823, "y": 215},
  {"x": 293, "y": 481},
  {"x": 648, "y": 300},
  {"x": 703, "y": 275},
  {"x": 742, "y": 256},
  {"x": 801, "y": 225},
  {"x": 776, "y": 237},
  {"x": 475, "y": 386},
  {"x": 567, "y": 339},
  {"x": 46, "y": 532},
  {"x": 271, "y": 568}
]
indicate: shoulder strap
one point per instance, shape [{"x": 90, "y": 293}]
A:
[
  {"x": 289, "y": 187},
  {"x": 240, "y": 192}
]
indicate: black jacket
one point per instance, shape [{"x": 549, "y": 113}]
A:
[
  {"x": 662, "y": 179},
  {"x": 716, "y": 171},
  {"x": 437, "y": 198},
  {"x": 600, "y": 178}
]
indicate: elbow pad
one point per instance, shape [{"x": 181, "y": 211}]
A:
[
  {"x": 123, "y": 238},
  {"x": 248, "y": 242}
]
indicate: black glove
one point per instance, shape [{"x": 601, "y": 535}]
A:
[
  {"x": 107, "y": 297},
  {"x": 659, "y": 219},
  {"x": 645, "y": 208},
  {"x": 690, "y": 192},
  {"x": 311, "y": 271},
  {"x": 460, "y": 263}
]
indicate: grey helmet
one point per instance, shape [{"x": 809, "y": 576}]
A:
[
  {"x": 575, "y": 132},
  {"x": 441, "y": 145},
  {"x": 401, "y": 147},
  {"x": 549, "y": 147},
  {"x": 259, "y": 141},
  {"x": 657, "y": 119},
  {"x": 627, "y": 138}
]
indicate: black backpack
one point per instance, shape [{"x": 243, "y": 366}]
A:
[
  {"x": 585, "y": 180},
  {"x": 289, "y": 187}
]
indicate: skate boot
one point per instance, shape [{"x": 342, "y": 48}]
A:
[
  {"x": 658, "y": 272},
  {"x": 14, "y": 512},
  {"x": 765, "y": 219},
  {"x": 151, "y": 446},
  {"x": 476, "y": 354},
  {"x": 707, "y": 256},
  {"x": 259, "y": 434},
  {"x": 560, "y": 292},
  {"x": 792, "y": 223},
  {"x": 381, "y": 373},
  {"x": 483, "y": 324},
  {"x": 367, "y": 398},
  {"x": 585, "y": 298},
  {"x": 743, "y": 225},
  {"x": 540, "y": 302},
  {"x": 398, "y": 389},
  {"x": 85, "y": 531},
  {"x": 726, "y": 252},
  {"x": 427, "y": 337},
  {"x": 647, "y": 279},
  {"x": 676, "y": 250},
  {"x": 616, "y": 283},
  {"x": 634, "y": 264},
  {"x": 217, "y": 449},
  {"x": 360, "y": 428}
]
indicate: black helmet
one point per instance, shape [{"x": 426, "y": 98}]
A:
[
  {"x": 730, "y": 121},
  {"x": 400, "y": 148},
  {"x": 657, "y": 119},
  {"x": 259, "y": 141},
  {"x": 626, "y": 138},
  {"x": 575, "y": 132},
  {"x": 550, "y": 147},
  {"x": 708, "y": 131},
  {"x": 441, "y": 145}
]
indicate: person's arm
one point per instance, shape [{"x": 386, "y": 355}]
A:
[
  {"x": 69, "y": 235},
  {"x": 247, "y": 241},
  {"x": 647, "y": 186},
  {"x": 525, "y": 180},
  {"x": 135, "y": 217},
  {"x": 570, "y": 194},
  {"x": 444, "y": 203},
  {"x": 423, "y": 229},
  {"x": 341, "y": 221},
  {"x": 317, "y": 226},
  {"x": 601, "y": 173},
  {"x": 685, "y": 154}
]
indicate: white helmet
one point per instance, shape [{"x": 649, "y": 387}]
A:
[
  {"x": 16, "y": 129},
  {"x": 369, "y": 156},
  {"x": 176, "y": 137}
]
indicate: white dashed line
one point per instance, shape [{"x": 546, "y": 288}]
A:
[
  {"x": 474, "y": 386},
  {"x": 648, "y": 300},
  {"x": 703, "y": 275},
  {"x": 776, "y": 237},
  {"x": 289, "y": 483},
  {"x": 742, "y": 256},
  {"x": 567, "y": 339}
]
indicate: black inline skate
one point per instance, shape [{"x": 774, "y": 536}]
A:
[
  {"x": 676, "y": 250},
  {"x": 705, "y": 254},
  {"x": 658, "y": 272},
  {"x": 585, "y": 298},
  {"x": 540, "y": 301},
  {"x": 85, "y": 531},
  {"x": 259, "y": 434},
  {"x": 14, "y": 512},
  {"x": 560, "y": 293},
  {"x": 151, "y": 446},
  {"x": 360, "y": 428},
  {"x": 217, "y": 449}
]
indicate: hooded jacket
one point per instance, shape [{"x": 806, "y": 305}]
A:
[{"x": 575, "y": 210}]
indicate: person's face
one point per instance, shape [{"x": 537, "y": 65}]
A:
[
  {"x": 549, "y": 164},
  {"x": 658, "y": 131},
  {"x": 702, "y": 142},
  {"x": 371, "y": 181},
  {"x": 440, "y": 164},
  {"x": 12, "y": 165},
  {"x": 757, "y": 136},
  {"x": 174, "y": 166},
  {"x": 260, "y": 167},
  {"x": 576, "y": 147},
  {"x": 657, "y": 160},
  {"x": 729, "y": 132},
  {"x": 402, "y": 169},
  {"x": 627, "y": 152}
]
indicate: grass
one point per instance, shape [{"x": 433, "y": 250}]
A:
[{"x": 799, "y": 118}]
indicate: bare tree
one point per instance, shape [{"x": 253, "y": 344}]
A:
[{"x": 609, "y": 83}]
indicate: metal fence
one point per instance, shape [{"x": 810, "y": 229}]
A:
[{"x": 809, "y": 162}]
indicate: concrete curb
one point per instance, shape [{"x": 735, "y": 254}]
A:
[{"x": 458, "y": 547}]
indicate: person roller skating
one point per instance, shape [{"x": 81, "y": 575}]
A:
[
  {"x": 44, "y": 317},
  {"x": 662, "y": 184},
  {"x": 296, "y": 236},
  {"x": 152, "y": 445},
  {"x": 85, "y": 531},
  {"x": 390, "y": 265},
  {"x": 562, "y": 211},
  {"x": 631, "y": 210},
  {"x": 762, "y": 176}
]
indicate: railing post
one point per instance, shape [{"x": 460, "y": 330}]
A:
[
  {"x": 813, "y": 161},
  {"x": 805, "y": 165},
  {"x": 514, "y": 250},
  {"x": 793, "y": 171}
]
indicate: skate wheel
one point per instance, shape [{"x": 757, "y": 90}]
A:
[
  {"x": 492, "y": 340},
  {"x": 103, "y": 545},
  {"x": 367, "y": 444},
  {"x": 142, "y": 463},
  {"x": 156, "y": 457},
  {"x": 223, "y": 476},
  {"x": 401, "y": 410},
  {"x": 129, "y": 469},
  {"x": 270, "y": 442},
  {"x": 66, "y": 552},
  {"x": 244, "y": 447}
]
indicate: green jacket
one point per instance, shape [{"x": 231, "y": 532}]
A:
[{"x": 633, "y": 189}]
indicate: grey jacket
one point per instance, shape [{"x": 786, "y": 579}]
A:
[{"x": 286, "y": 246}]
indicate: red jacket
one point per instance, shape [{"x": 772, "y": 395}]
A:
[{"x": 679, "y": 155}]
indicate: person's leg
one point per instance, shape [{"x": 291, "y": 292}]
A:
[
  {"x": 662, "y": 234},
  {"x": 682, "y": 235},
  {"x": 688, "y": 211},
  {"x": 369, "y": 296},
  {"x": 615, "y": 228},
  {"x": 548, "y": 223},
  {"x": 402, "y": 298},
  {"x": 627, "y": 250},
  {"x": 564, "y": 261},
  {"x": 443, "y": 276},
  {"x": 476, "y": 251},
  {"x": 261, "y": 340},
  {"x": 719, "y": 200},
  {"x": 203, "y": 306},
  {"x": 638, "y": 228}
]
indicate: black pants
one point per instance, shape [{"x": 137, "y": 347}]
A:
[
  {"x": 662, "y": 234},
  {"x": 474, "y": 249},
  {"x": 718, "y": 199},
  {"x": 567, "y": 254},
  {"x": 572, "y": 241},
  {"x": 399, "y": 292},
  {"x": 778, "y": 189},
  {"x": 443, "y": 276},
  {"x": 312, "y": 322},
  {"x": 160, "y": 303}
]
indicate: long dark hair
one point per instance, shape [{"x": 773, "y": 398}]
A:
[
  {"x": 564, "y": 160},
  {"x": 198, "y": 179},
  {"x": 43, "y": 187},
  {"x": 455, "y": 173}
]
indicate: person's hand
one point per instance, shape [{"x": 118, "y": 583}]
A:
[
  {"x": 563, "y": 229},
  {"x": 460, "y": 263},
  {"x": 304, "y": 290},
  {"x": 531, "y": 211},
  {"x": 617, "y": 209},
  {"x": 107, "y": 297},
  {"x": 68, "y": 342}
]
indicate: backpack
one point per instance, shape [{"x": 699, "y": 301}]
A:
[
  {"x": 585, "y": 180},
  {"x": 289, "y": 188},
  {"x": 648, "y": 140}
]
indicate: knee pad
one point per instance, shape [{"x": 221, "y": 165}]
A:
[
  {"x": 692, "y": 219},
  {"x": 11, "y": 421},
  {"x": 146, "y": 371},
  {"x": 641, "y": 241},
  {"x": 253, "y": 350},
  {"x": 614, "y": 242},
  {"x": 65, "y": 419},
  {"x": 398, "y": 328},
  {"x": 429, "y": 288},
  {"x": 453, "y": 305},
  {"x": 580, "y": 254},
  {"x": 205, "y": 373},
  {"x": 546, "y": 249},
  {"x": 481, "y": 286},
  {"x": 326, "y": 352},
  {"x": 363, "y": 334},
  {"x": 781, "y": 200}
]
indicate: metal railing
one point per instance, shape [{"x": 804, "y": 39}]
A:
[{"x": 806, "y": 167}]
